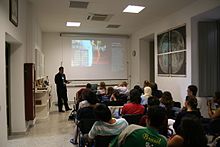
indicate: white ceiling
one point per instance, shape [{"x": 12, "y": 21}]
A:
[{"x": 53, "y": 14}]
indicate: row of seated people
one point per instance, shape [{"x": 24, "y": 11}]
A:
[{"x": 128, "y": 108}]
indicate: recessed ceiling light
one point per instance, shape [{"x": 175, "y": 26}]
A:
[
  {"x": 73, "y": 24},
  {"x": 133, "y": 9}
]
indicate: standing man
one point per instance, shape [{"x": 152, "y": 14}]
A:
[{"x": 60, "y": 80}]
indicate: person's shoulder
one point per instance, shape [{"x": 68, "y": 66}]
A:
[{"x": 121, "y": 120}]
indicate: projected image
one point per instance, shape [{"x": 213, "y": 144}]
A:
[{"x": 89, "y": 52}]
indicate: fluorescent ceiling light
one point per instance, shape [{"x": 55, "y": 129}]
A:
[
  {"x": 133, "y": 9},
  {"x": 73, "y": 24}
]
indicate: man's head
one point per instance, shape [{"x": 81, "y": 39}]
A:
[
  {"x": 135, "y": 96},
  {"x": 90, "y": 96},
  {"x": 192, "y": 90},
  {"x": 191, "y": 102},
  {"x": 156, "y": 117},
  {"x": 88, "y": 85},
  {"x": 61, "y": 69},
  {"x": 103, "y": 113}
]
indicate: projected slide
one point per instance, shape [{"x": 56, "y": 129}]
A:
[
  {"x": 90, "y": 52},
  {"x": 95, "y": 57}
]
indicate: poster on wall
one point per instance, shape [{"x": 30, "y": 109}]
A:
[{"x": 172, "y": 52}]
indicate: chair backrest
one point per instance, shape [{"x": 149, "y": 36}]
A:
[
  {"x": 114, "y": 103},
  {"x": 103, "y": 141},
  {"x": 85, "y": 125},
  {"x": 132, "y": 118}
]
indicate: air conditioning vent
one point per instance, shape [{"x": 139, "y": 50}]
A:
[
  {"x": 78, "y": 4},
  {"x": 99, "y": 17},
  {"x": 113, "y": 26}
]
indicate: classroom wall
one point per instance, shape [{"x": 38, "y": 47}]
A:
[
  {"x": 18, "y": 38},
  {"x": 176, "y": 85}
]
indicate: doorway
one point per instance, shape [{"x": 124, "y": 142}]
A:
[
  {"x": 7, "y": 66},
  {"x": 147, "y": 57}
]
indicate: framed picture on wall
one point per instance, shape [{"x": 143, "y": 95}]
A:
[
  {"x": 13, "y": 11},
  {"x": 171, "y": 53}
]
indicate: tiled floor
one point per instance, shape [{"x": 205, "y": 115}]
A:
[{"x": 56, "y": 131}]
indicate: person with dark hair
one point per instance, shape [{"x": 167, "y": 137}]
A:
[
  {"x": 89, "y": 97},
  {"x": 139, "y": 88},
  {"x": 167, "y": 102},
  {"x": 106, "y": 125},
  {"x": 109, "y": 95},
  {"x": 155, "y": 92},
  {"x": 79, "y": 97},
  {"x": 134, "y": 106},
  {"x": 216, "y": 113},
  {"x": 152, "y": 101},
  {"x": 191, "y": 134},
  {"x": 191, "y": 111},
  {"x": 60, "y": 80},
  {"x": 192, "y": 90},
  {"x": 102, "y": 89},
  {"x": 135, "y": 135},
  {"x": 146, "y": 84},
  {"x": 85, "y": 112}
]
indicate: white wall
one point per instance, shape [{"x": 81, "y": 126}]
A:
[
  {"x": 177, "y": 85},
  {"x": 17, "y": 37},
  {"x": 52, "y": 49}
]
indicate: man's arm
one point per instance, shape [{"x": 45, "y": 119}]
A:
[{"x": 67, "y": 82}]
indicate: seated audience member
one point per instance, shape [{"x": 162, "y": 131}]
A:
[
  {"x": 146, "y": 84},
  {"x": 122, "y": 88},
  {"x": 216, "y": 113},
  {"x": 191, "y": 134},
  {"x": 191, "y": 111},
  {"x": 107, "y": 96},
  {"x": 192, "y": 91},
  {"x": 88, "y": 96},
  {"x": 146, "y": 95},
  {"x": 152, "y": 101},
  {"x": 139, "y": 88},
  {"x": 86, "y": 112},
  {"x": 106, "y": 125},
  {"x": 134, "y": 106},
  {"x": 115, "y": 96},
  {"x": 102, "y": 89},
  {"x": 167, "y": 102},
  {"x": 155, "y": 92},
  {"x": 79, "y": 94},
  {"x": 138, "y": 136}
]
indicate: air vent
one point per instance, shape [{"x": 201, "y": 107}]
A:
[
  {"x": 99, "y": 17},
  {"x": 78, "y": 4},
  {"x": 113, "y": 26}
]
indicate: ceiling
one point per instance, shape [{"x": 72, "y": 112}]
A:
[{"x": 53, "y": 14}]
